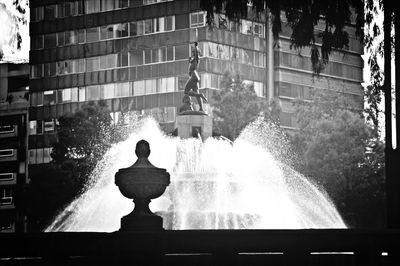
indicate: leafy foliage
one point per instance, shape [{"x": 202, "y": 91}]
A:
[
  {"x": 237, "y": 104},
  {"x": 83, "y": 138},
  {"x": 342, "y": 154}
]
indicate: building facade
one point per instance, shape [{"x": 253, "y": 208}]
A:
[
  {"x": 14, "y": 79},
  {"x": 134, "y": 55}
]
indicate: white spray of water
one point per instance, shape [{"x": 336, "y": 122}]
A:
[{"x": 214, "y": 185}]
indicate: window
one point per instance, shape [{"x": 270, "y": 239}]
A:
[
  {"x": 71, "y": 37},
  {"x": 136, "y": 58},
  {"x": 121, "y": 3},
  {"x": 246, "y": 27},
  {"x": 6, "y": 196},
  {"x": 197, "y": 19},
  {"x": 93, "y": 93},
  {"x": 37, "y": 14},
  {"x": 37, "y": 42},
  {"x": 49, "y": 97},
  {"x": 48, "y": 125},
  {"x": 258, "y": 29},
  {"x": 169, "y": 23},
  {"x": 92, "y": 64},
  {"x": 32, "y": 127},
  {"x": 121, "y": 30},
  {"x": 222, "y": 21},
  {"x": 122, "y": 89},
  {"x": 50, "y": 40},
  {"x": 37, "y": 71},
  {"x": 6, "y": 176},
  {"x": 6, "y": 153},
  {"x": 170, "y": 84},
  {"x": 60, "y": 39},
  {"x": 39, "y": 127},
  {"x": 223, "y": 52},
  {"x": 32, "y": 156},
  {"x": 81, "y": 36},
  {"x": 50, "y": 12},
  {"x": 159, "y": 24},
  {"x": 81, "y": 65},
  {"x": 66, "y": 95},
  {"x": 108, "y": 91},
  {"x": 92, "y": 6},
  {"x": 107, "y": 61},
  {"x": 92, "y": 34},
  {"x": 39, "y": 155},
  {"x": 82, "y": 94},
  {"x": 36, "y": 98},
  {"x": 47, "y": 155},
  {"x": 6, "y": 129},
  {"x": 107, "y": 5},
  {"x": 150, "y": 86},
  {"x": 148, "y": 26},
  {"x": 136, "y": 28},
  {"x": 106, "y": 32},
  {"x": 147, "y": 56},
  {"x": 138, "y": 87},
  {"x": 74, "y": 94},
  {"x": 259, "y": 88},
  {"x": 170, "y": 53},
  {"x": 155, "y": 55},
  {"x": 122, "y": 59},
  {"x": 181, "y": 52},
  {"x": 50, "y": 69}
]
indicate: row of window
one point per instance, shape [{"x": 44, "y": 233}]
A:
[
  {"x": 38, "y": 127},
  {"x": 226, "y": 52},
  {"x": 7, "y": 176},
  {"x": 332, "y": 68},
  {"x": 294, "y": 90},
  {"x": 147, "y": 56},
  {"x": 8, "y": 154},
  {"x": 126, "y": 89},
  {"x": 76, "y": 8},
  {"x": 104, "y": 91},
  {"x": 6, "y": 195},
  {"x": 37, "y": 156},
  {"x": 95, "y": 34}
]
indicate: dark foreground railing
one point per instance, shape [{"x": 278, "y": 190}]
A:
[{"x": 204, "y": 247}]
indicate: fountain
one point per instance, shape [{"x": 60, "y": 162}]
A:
[{"x": 215, "y": 184}]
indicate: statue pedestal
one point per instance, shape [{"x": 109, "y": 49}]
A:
[{"x": 192, "y": 123}]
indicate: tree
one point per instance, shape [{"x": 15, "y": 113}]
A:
[
  {"x": 342, "y": 154},
  {"x": 83, "y": 138},
  {"x": 236, "y": 105},
  {"x": 10, "y": 21}
]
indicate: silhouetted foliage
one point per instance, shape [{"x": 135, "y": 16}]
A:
[
  {"x": 83, "y": 138},
  {"x": 302, "y": 16}
]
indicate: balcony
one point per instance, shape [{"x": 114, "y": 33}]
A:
[
  {"x": 8, "y": 178},
  {"x": 8, "y": 131}
]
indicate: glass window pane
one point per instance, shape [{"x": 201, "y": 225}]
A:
[
  {"x": 122, "y": 89},
  {"x": 92, "y": 6},
  {"x": 106, "y": 32},
  {"x": 108, "y": 91},
  {"x": 74, "y": 94},
  {"x": 171, "y": 84},
  {"x": 71, "y": 37},
  {"x": 49, "y": 97},
  {"x": 136, "y": 58},
  {"x": 93, "y": 93},
  {"x": 138, "y": 87},
  {"x": 121, "y": 3},
  {"x": 82, "y": 94},
  {"x": 60, "y": 39},
  {"x": 148, "y": 26},
  {"x": 81, "y": 36},
  {"x": 122, "y": 59},
  {"x": 147, "y": 56},
  {"x": 107, "y": 5},
  {"x": 169, "y": 23},
  {"x": 50, "y": 12},
  {"x": 181, "y": 52},
  {"x": 92, "y": 34},
  {"x": 155, "y": 55},
  {"x": 150, "y": 86},
  {"x": 92, "y": 64},
  {"x": 170, "y": 53},
  {"x": 136, "y": 28},
  {"x": 121, "y": 30},
  {"x": 50, "y": 40}
]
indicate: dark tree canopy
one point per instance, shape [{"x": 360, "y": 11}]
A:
[{"x": 302, "y": 17}]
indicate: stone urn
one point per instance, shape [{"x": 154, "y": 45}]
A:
[{"x": 142, "y": 182}]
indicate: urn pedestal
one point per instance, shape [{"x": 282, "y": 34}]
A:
[
  {"x": 194, "y": 123},
  {"x": 142, "y": 182}
]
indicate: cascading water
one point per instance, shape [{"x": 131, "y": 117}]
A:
[{"x": 214, "y": 185}]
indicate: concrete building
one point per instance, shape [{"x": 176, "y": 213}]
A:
[
  {"x": 14, "y": 79},
  {"x": 134, "y": 55}
]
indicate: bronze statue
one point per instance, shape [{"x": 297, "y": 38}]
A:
[{"x": 192, "y": 85}]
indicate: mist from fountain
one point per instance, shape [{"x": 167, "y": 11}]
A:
[{"x": 214, "y": 185}]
